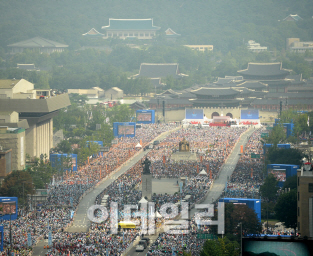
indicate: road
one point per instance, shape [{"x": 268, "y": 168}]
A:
[
  {"x": 227, "y": 170},
  {"x": 81, "y": 223},
  {"x": 219, "y": 184}
]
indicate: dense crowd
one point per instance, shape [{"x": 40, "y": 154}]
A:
[
  {"x": 66, "y": 191},
  {"x": 247, "y": 177},
  {"x": 212, "y": 146}
]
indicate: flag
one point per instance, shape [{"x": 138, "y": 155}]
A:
[{"x": 308, "y": 121}]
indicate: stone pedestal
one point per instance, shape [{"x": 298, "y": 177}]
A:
[{"x": 146, "y": 186}]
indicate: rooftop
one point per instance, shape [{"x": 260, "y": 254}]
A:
[
  {"x": 130, "y": 24},
  {"x": 38, "y": 42},
  {"x": 265, "y": 69},
  {"x": 215, "y": 91},
  {"x": 8, "y": 83},
  {"x": 93, "y": 32}
]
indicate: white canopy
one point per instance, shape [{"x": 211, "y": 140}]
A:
[
  {"x": 143, "y": 201},
  {"x": 138, "y": 145},
  {"x": 158, "y": 215},
  {"x": 203, "y": 172}
]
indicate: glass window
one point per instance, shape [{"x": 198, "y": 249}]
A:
[{"x": 310, "y": 187}]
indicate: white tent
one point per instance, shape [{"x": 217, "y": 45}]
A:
[
  {"x": 203, "y": 172},
  {"x": 158, "y": 215},
  {"x": 143, "y": 201},
  {"x": 138, "y": 146}
]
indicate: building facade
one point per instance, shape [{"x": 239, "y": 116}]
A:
[
  {"x": 305, "y": 202},
  {"x": 33, "y": 110},
  {"x": 130, "y": 28},
  {"x": 39, "y": 44}
]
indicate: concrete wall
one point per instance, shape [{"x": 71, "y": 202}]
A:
[
  {"x": 146, "y": 186},
  {"x": 39, "y": 139},
  {"x": 10, "y": 118},
  {"x": 303, "y": 203},
  {"x": 23, "y": 86},
  {"x": 16, "y": 142}
]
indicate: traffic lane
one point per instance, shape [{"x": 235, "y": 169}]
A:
[{"x": 133, "y": 252}]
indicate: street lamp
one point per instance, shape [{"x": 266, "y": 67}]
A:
[{"x": 240, "y": 223}]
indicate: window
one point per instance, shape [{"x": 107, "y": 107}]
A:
[
  {"x": 130, "y": 34},
  {"x": 310, "y": 187},
  {"x": 147, "y": 34},
  {"x": 298, "y": 181},
  {"x": 141, "y": 34},
  {"x": 298, "y": 226},
  {"x": 136, "y": 34}
]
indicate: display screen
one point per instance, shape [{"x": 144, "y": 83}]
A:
[
  {"x": 126, "y": 130},
  {"x": 144, "y": 117},
  {"x": 8, "y": 207},
  {"x": 279, "y": 174},
  {"x": 250, "y": 114},
  {"x": 276, "y": 248},
  {"x": 194, "y": 113}
]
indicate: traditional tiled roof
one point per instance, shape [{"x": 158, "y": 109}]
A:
[
  {"x": 170, "y": 92},
  {"x": 158, "y": 70},
  {"x": 93, "y": 32},
  {"x": 130, "y": 24},
  {"x": 215, "y": 91},
  {"x": 292, "y": 95},
  {"x": 264, "y": 70},
  {"x": 138, "y": 105},
  {"x": 171, "y": 33},
  {"x": 293, "y": 17},
  {"x": 38, "y": 42},
  {"x": 277, "y": 102},
  {"x": 253, "y": 85}
]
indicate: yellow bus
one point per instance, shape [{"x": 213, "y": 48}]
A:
[{"x": 127, "y": 225}]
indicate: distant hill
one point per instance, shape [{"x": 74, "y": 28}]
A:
[{"x": 226, "y": 24}]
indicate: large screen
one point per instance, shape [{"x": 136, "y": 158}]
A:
[
  {"x": 144, "y": 117},
  {"x": 274, "y": 247},
  {"x": 194, "y": 113},
  {"x": 279, "y": 174},
  {"x": 8, "y": 207},
  {"x": 126, "y": 130},
  {"x": 249, "y": 114}
]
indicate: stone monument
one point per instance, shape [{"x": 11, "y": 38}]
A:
[{"x": 146, "y": 180}]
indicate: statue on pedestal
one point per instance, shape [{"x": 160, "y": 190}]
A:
[
  {"x": 184, "y": 146},
  {"x": 146, "y": 166}
]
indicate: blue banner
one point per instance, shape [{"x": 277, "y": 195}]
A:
[
  {"x": 249, "y": 114},
  {"x": 50, "y": 238},
  {"x": 29, "y": 239},
  {"x": 194, "y": 113}
]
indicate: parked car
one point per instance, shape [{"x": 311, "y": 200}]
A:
[
  {"x": 147, "y": 240},
  {"x": 143, "y": 243},
  {"x": 140, "y": 248}
]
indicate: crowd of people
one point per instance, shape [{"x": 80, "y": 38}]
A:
[
  {"x": 66, "y": 191},
  {"x": 247, "y": 177},
  {"x": 212, "y": 146}
]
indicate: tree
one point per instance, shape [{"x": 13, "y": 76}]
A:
[
  {"x": 284, "y": 156},
  {"x": 235, "y": 214},
  {"x": 220, "y": 247},
  {"x": 286, "y": 208},
  {"x": 269, "y": 188},
  {"x": 277, "y": 135},
  {"x": 64, "y": 146},
  {"x": 15, "y": 183},
  {"x": 291, "y": 183}
]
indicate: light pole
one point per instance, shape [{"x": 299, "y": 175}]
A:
[{"x": 240, "y": 237}]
